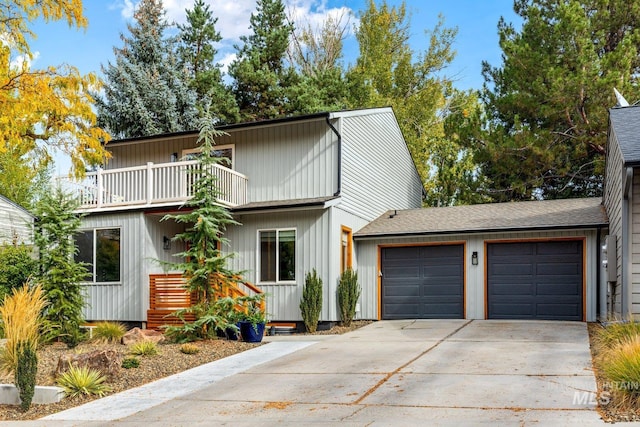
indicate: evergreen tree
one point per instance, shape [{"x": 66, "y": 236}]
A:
[
  {"x": 60, "y": 275},
  {"x": 547, "y": 105},
  {"x": 262, "y": 80},
  {"x": 203, "y": 261},
  {"x": 197, "y": 55},
  {"x": 146, "y": 91}
]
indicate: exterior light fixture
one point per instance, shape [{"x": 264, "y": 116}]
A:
[
  {"x": 474, "y": 258},
  {"x": 166, "y": 243}
]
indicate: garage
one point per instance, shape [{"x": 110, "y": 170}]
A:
[
  {"x": 423, "y": 282},
  {"x": 535, "y": 280}
]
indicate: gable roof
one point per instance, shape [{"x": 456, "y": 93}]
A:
[
  {"x": 513, "y": 216},
  {"x": 625, "y": 123}
]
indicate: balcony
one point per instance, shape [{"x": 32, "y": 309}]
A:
[{"x": 151, "y": 185}]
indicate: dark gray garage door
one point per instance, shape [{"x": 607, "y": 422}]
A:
[
  {"x": 535, "y": 280},
  {"x": 423, "y": 282}
]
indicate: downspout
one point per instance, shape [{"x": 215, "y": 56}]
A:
[
  {"x": 337, "y": 193},
  {"x": 625, "y": 271}
]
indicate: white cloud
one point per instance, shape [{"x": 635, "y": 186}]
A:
[{"x": 21, "y": 60}]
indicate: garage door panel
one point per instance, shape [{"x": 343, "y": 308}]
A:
[
  {"x": 436, "y": 292},
  {"x": 552, "y": 288}
]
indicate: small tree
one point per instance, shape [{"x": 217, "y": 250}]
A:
[
  {"x": 348, "y": 294},
  {"x": 60, "y": 274},
  {"x": 311, "y": 303},
  {"x": 17, "y": 264},
  {"x": 204, "y": 265}
]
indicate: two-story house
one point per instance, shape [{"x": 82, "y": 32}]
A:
[{"x": 299, "y": 186}]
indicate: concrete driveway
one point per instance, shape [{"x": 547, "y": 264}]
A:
[{"x": 431, "y": 372}]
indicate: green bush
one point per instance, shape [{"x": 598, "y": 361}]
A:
[
  {"x": 210, "y": 318},
  {"x": 16, "y": 266},
  {"x": 144, "y": 348},
  {"x": 81, "y": 380},
  {"x": 25, "y": 376},
  {"x": 109, "y": 331},
  {"x": 311, "y": 303},
  {"x": 348, "y": 294},
  {"x": 130, "y": 362}
]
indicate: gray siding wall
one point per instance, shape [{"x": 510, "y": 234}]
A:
[
  {"x": 16, "y": 225},
  {"x": 286, "y": 161},
  {"x": 474, "y": 275},
  {"x": 127, "y": 300},
  {"x": 613, "y": 204},
  {"x": 312, "y": 251},
  {"x": 378, "y": 173},
  {"x": 634, "y": 258}
]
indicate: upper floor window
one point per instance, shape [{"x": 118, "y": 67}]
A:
[
  {"x": 277, "y": 255},
  {"x": 225, "y": 152},
  {"x": 100, "y": 248}
]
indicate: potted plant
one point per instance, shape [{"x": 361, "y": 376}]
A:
[{"x": 253, "y": 318}]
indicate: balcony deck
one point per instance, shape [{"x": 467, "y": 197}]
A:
[{"x": 151, "y": 185}]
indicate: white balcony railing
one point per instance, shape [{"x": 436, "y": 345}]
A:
[{"x": 152, "y": 184}]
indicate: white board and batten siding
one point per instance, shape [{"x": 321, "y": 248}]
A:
[
  {"x": 125, "y": 300},
  {"x": 378, "y": 173},
  {"x": 613, "y": 203},
  {"x": 282, "y": 161},
  {"x": 16, "y": 223},
  {"x": 367, "y": 250},
  {"x": 312, "y": 251}
]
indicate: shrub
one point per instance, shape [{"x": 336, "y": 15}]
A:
[
  {"x": 189, "y": 348},
  {"x": 144, "y": 348},
  {"x": 616, "y": 333},
  {"x": 348, "y": 294},
  {"x": 130, "y": 362},
  {"x": 16, "y": 266},
  {"x": 25, "y": 377},
  {"x": 81, "y": 380},
  {"x": 311, "y": 303},
  {"x": 210, "y": 318},
  {"x": 20, "y": 315},
  {"x": 109, "y": 331},
  {"x": 621, "y": 365}
]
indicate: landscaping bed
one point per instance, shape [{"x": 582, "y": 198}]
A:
[
  {"x": 169, "y": 361},
  {"x": 612, "y": 406}
]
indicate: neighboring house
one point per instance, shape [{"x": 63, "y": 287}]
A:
[
  {"x": 16, "y": 223},
  {"x": 622, "y": 200},
  {"x": 299, "y": 186}
]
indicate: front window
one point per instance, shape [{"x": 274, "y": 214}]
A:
[
  {"x": 100, "y": 249},
  {"x": 277, "y": 255},
  {"x": 225, "y": 152}
]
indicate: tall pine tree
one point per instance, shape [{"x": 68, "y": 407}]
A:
[
  {"x": 146, "y": 90},
  {"x": 547, "y": 105},
  {"x": 262, "y": 79},
  {"x": 197, "y": 55}
]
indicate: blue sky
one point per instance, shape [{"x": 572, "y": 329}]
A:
[{"x": 476, "y": 20}]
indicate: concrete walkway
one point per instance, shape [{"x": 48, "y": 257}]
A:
[{"x": 431, "y": 372}]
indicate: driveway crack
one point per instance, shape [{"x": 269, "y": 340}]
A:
[{"x": 398, "y": 369}]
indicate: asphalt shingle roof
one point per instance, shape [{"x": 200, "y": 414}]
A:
[
  {"x": 625, "y": 122},
  {"x": 547, "y": 214}
]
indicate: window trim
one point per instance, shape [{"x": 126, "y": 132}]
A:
[
  {"x": 277, "y": 260},
  {"x": 196, "y": 150},
  {"x": 346, "y": 263},
  {"x": 94, "y": 249}
]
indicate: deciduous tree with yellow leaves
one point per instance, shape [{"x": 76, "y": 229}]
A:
[{"x": 43, "y": 109}]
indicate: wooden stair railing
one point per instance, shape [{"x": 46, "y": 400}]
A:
[{"x": 167, "y": 294}]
